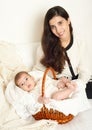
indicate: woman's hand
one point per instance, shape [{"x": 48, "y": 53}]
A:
[{"x": 43, "y": 100}]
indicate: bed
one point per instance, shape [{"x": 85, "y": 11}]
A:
[{"x": 17, "y": 57}]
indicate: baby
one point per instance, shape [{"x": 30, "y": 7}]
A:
[{"x": 65, "y": 87}]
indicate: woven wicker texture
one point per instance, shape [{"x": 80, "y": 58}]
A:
[{"x": 44, "y": 113}]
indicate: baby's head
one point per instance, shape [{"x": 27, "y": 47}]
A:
[{"x": 24, "y": 81}]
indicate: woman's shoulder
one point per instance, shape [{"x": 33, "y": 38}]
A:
[{"x": 79, "y": 39}]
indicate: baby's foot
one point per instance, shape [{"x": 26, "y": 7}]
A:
[
  {"x": 60, "y": 84},
  {"x": 71, "y": 85},
  {"x": 65, "y": 80}
]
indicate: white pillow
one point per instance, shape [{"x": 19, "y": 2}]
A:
[
  {"x": 28, "y": 53},
  {"x": 9, "y": 55}
]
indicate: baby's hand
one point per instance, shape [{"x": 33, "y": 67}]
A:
[{"x": 43, "y": 100}]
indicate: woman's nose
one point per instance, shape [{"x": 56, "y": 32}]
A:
[{"x": 58, "y": 29}]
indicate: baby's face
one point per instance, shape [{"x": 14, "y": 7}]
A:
[{"x": 26, "y": 82}]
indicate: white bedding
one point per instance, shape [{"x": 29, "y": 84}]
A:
[{"x": 9, "y": 120}]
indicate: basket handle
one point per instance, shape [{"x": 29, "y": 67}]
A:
[{"x": 44, "y": 78}]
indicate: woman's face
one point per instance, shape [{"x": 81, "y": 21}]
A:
[{"x": 60, "y": 27}]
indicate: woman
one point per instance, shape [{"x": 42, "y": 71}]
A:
[
  {"x": 61, "y": 48},
  {"x": 67, "y": 54}
]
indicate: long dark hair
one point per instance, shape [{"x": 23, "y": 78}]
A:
[{"x": 54, "y": 55}]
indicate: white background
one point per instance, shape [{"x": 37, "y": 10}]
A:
[{"x": 21, "y": 21}]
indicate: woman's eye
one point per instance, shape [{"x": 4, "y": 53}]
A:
[
  {"x": 60, "y": 23},
  {"x": 26, "y": 78},
  {"x": 52, "y": 27}
]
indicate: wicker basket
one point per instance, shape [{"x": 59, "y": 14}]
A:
[{"x": 44, "y": 113}]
